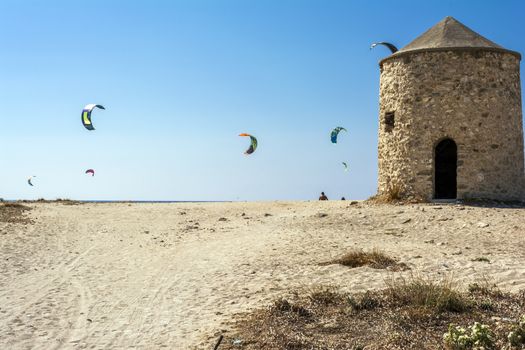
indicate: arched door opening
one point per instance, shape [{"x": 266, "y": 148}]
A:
[{"x": 445, "y": 169}]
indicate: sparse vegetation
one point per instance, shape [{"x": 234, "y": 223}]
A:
[
  {"x": 485, "y": 288},
  {"x": 365, "y": 301},
  {"x": 324, "y": 296},
  {"x": 11, "y": 212},
  {"x": 14, "y": 205},
  {"x": 412, "y": 313},
  {"x": 285, "y": 306},
  {"x": 66, "y": 201}
]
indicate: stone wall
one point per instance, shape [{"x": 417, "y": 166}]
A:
[{"x": 472, "y": 97}]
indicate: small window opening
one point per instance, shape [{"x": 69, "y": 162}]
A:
[{"x": 389, "y": 121}]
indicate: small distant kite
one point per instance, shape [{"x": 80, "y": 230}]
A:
[
  {"x": 390, "y": 46},
  {"x": 345, "y": 165},
  {"x": 90, "y": 171},
  {"x": 29, "y": 180},
  {"x": 86, "y": 115},
  {"x": 253, "y": 145},
  {"x": 335, "y": 133}
]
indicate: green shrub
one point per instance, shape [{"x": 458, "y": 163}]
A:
[
  {"x": 480, "y": 337},
  {"x": 517, "y": 336}
]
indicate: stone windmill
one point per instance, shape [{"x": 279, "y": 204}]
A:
[{"x": 450, "y": 122}]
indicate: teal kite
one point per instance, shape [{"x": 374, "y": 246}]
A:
[{"x": 335, "y": 133}]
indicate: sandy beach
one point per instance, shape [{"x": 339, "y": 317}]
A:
[{"x": 148, "y": 276}]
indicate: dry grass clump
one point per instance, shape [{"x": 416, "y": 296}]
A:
[
  {"x": 395, "y": 194},
  {"x": 365, "y": 301},
  {"x": 284, "y": 306},
  {"x": 375, "y": 259},
  {"x": 66, "y": 201},
  {"x": 424, "y": 293},
  {"x": 13, "y": 212},
  {"x": 325, "y": 295},
  {"x": 485, "y": 288},
  {"x": 410, "y": 314}
]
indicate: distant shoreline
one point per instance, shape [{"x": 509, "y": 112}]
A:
[{"x": 105, "y": 201}]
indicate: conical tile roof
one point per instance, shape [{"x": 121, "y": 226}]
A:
[{"x": 450, "y": 34}]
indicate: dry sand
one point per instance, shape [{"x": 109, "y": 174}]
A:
[{"x": 148, "y": 276}]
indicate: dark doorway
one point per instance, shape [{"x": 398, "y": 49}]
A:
[{"x": 445, "y": 165}]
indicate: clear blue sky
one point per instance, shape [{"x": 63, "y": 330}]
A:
[{"x": 181, "y": 79}]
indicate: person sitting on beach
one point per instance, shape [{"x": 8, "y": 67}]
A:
[
  {"x": 343, "y": 198},
  {"x": 323, "y": 197}
]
